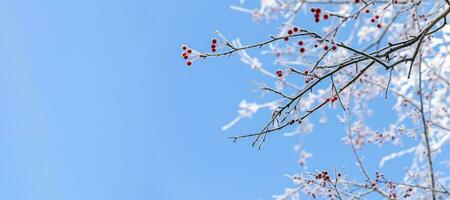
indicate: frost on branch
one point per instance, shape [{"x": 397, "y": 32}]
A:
[
  {"x": 246, "y": 110},
  {"x": 343, "y": 55}
]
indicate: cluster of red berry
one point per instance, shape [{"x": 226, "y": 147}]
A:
[
  {"x": 317, "y": 12},
  {"x": 330, "y": 194},
  {"x": 408, "y": 193},
  {"x": 391, "y": 186},
  {"x": 374, "y": 19},
  {"x": 379, "y": 176},
  {"x": 326, "y": 47},
  {"x": 420, "y": 17},
  {"x": 379, "y": 138},
  {"x": 302, "y": 49},
  {"x": 324, "y": 177},
  {"x": 312, "y": 194},
  {"x": 334, "y": 47},
  {"x": 393, "y": 196},
  {"x": 332, "y": 99},
  {"x": 290, "y": 32},
  {"x": 214, "y": 45},
  {"x": 186, "y": 53},
  {"x": 279, "y": 73},
  {"x": 307, "y": 78}
]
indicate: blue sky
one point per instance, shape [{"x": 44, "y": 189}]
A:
[{"x": 95, "y": 103}]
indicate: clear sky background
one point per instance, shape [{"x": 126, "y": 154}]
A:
[{"x": 96, "y": 104}]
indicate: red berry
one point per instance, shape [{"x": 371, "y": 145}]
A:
[
  {"x": 317, "y": 20},
  {"x": 213, "y": 46},
  {"x": 302, "y": 50},
  {"x": 367, "y": 11},
  {"x": 334, "y": 47},
  {"x": 189, "y": 63},
  {"x": 325, "y": 47},
  {"x": 279, "y": 73},
  {"x": 300, "y": 43},
  {"x": 372, "y": 20},
  {"x": 306, "y": 72},
  {"x": 213, "y": 50},
  {"x": 357, "y": 1},
  {"x": 325, "y": 16},
  {"x": 184, "y": 47},
  {"x": 290, "y": 32},
  {"x": 376, "y": 16},
  {"x": 189, "y": 51},
  {"x": 214, "y": 41},
  {"x": 318, "y": 10},
  {"x": 327, "y": 100},
  {"x": 286, "y": 38},
  {"x": 313, "y": 10},
  {"x": 379, "y": 26},
  {"x": 295, "y": 29}
]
